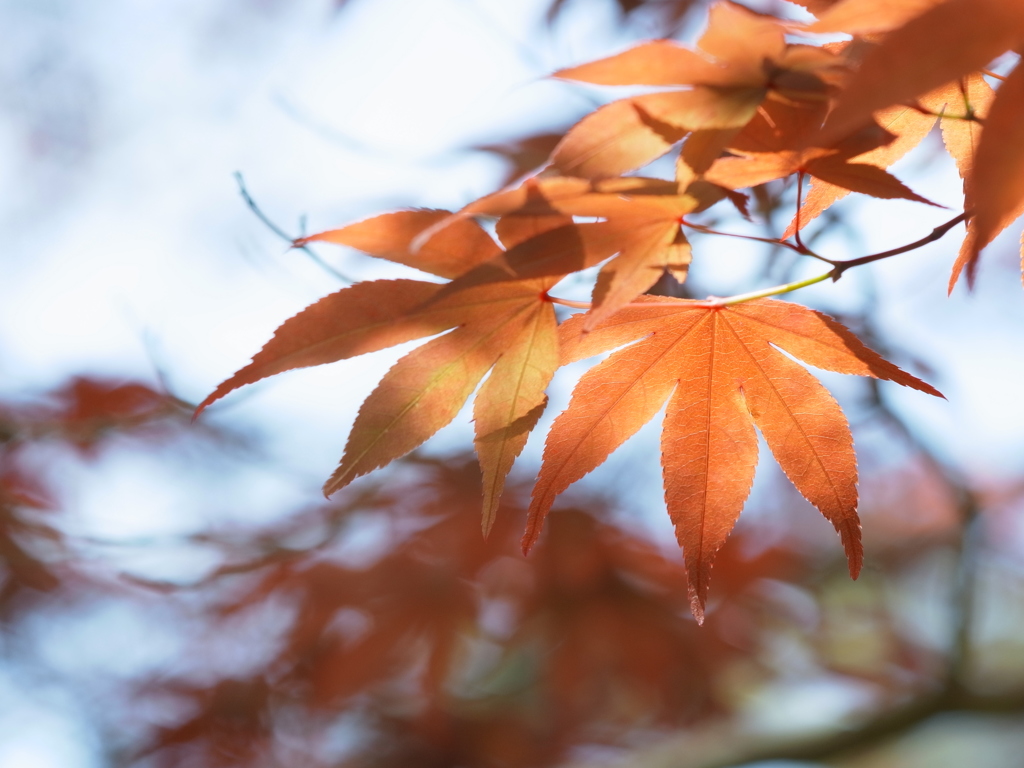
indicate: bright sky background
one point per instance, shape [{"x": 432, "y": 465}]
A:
[{"x": 125, "y": 245}]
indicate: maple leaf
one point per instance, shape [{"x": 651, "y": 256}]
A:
[
  {"x": 773, "y": 146},
  {"x": 641, "y": 224},
  {"x": 909, "y": 125},
  {"x": 946, "y": 42},
  {"x": 743, "y": 59},
  {"x": 994, "y": 185},
  {"x": 395, "y": 236},
  {"x": 630, "y": 133},
  {"x": 509, "y": 324},
  {"x": 860, "y": 17},
  {"x": 718, "y": 371},
  {"x": 510, "y": 327}
]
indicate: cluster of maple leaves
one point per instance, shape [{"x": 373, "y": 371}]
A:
[{"x": 748, "y": 106}]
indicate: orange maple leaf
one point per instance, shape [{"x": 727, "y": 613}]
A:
[
  {"x": 743, "y": 58},
  {"x": 861, "y": 17},
  {"x": 394, "y": 236},
  {"x": 720, "y": 374},
  {"x": 945, "y": 42},
  {"x": 910, "y": 124},
  {"x": 510, "y": 327},
  {"x": 994, "y": 185},
  {"x": 641, "y": 225},
  {"x": 773, "y": 146}
]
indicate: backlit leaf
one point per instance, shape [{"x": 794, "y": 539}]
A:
[
  {"x": 657, "y": 62},
  {"x": 860, "y": 17},
  {"x": 511, "y": 400},
  {"x": 720, "y": 369},
  {"x": 995, "y": 187},
  {"x": 455, "y": 248},
  {"x": 946, "y": 42},
  {"x": 427, "y": 388},
  {"x": 351, "y": 322}
]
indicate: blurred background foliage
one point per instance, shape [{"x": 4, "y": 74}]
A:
[{"x": 177, "y": 594}]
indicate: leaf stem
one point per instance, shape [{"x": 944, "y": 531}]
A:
[
  {"x": 728, "y": 301},
  {"x": 798, "y": 247},
  {"x": 711, "y": 302},
  {"x": 568, "y": 302}
]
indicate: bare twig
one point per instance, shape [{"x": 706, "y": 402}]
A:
[
  {"x": 838, "y": 268},
  {"x": 284, "y": 235}
]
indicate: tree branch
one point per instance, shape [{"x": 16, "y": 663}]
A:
[{"x": 935, "y": 234}]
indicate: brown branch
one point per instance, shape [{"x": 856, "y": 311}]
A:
[{"x": 937, "y": 233}]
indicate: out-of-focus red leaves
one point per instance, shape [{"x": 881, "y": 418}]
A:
[
  {"x": 229, "y": 725},
  {"x": 444, "y": 648},
  {"x": 82, "y": 414},
  {"x": 87, "y": 409},
  {"x": 458, "y": 651}
]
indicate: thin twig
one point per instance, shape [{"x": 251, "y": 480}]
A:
[
  {"x": 770, "y": 241},
  {"x": 838, "y": 268},
  {"x": 711, "y": 302},
  {"x": 284, "y": 235},
  {"x": 800, "y": 249}
]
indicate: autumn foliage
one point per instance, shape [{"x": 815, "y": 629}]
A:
[
  {"x": 307, "y": 642},
  {"x": 757, "y": 99}
]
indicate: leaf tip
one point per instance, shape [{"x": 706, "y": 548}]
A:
[
  {"x": 854, "y": 548},
  {"x": 336, "y": 482},
  {"x": 855, "y": 567},
  {"x": 532, "y": 533},
  {"x": 697, "y": 607},
  {"x": 487, "y": 520},
  {"x": 210, "y": 400}
]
